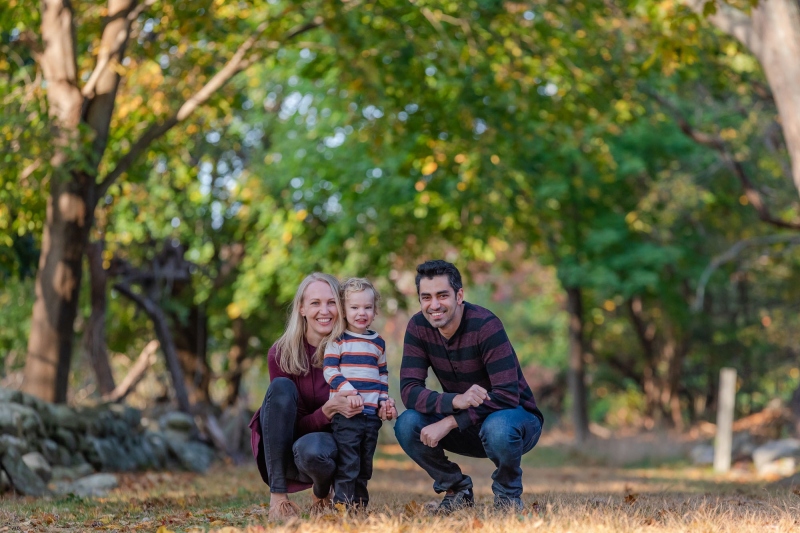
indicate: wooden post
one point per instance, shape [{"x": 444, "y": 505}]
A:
[{"x": 727, "y": 399}]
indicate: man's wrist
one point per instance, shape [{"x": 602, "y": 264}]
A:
[
  {"x": 451, "y": 422},
  {"x": 457, "y": 399}
]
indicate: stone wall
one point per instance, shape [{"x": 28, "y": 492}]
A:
[{"x": 49, "y": 448}]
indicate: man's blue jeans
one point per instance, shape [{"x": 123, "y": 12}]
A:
[{"x": 503, "y": 437}]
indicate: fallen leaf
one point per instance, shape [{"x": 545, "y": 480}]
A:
[
  {"x": 631, "y": 497},
  {"x": 412, "y": 508},
  {"x": 476, "y": 523}
]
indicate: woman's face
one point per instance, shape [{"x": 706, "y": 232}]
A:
[{"x": 319, "y": 309}]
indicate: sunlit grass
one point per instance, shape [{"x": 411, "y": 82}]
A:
[{"x": 563, "y": 492}]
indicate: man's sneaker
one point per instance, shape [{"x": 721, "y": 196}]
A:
[
  {"x": 508, "y": 505},
  {"x": 456, "y": 500}
]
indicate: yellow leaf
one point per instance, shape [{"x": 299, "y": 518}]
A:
[
  {"x": 233, "y": 310},
  {"x": 164, "y": 529},
  {"x": 429, "y": 168}
]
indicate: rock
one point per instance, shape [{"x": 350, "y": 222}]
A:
[
  {"x": 20, "y": 420},
  {"x": 130, "y": 416},
  {"x": 22, "y": 478},
  {"x": 5, "y": 483},
  {"x": 68, "y": 418},
  {"x": 175, "y": 436},
  {"x": 77, "y": 459},
  {"x": 34, "y": 403},
  {"x": 95, "y": 485},
  {"x": 49, "y": 449},
  {"x": 785, "y": 466},
  {"x": 107, "y": 454},
  {"x": 771, "y": 452},
  {"x": 159, "y": 449},
  {"x": 38, "y": 464},
  {"x": 702, "y": 454},
  {"x": 742, "y": 446},
  {"x": 10, "y": 395},
  {"x": 9, "y": 441},
  {"x": 138, "y": 452},
  {"x": 72, "y": 472},
  {"x": 177, "y": 421},
  {"x": 66, "y": 438},
  {"x": 192, "y": 456}
]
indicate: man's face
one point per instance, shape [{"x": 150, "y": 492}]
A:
[{"x": 438, "y": 301}]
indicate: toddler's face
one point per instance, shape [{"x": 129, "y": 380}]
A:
[{"x": 359, "y": 311}]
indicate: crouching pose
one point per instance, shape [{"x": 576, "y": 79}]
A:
[{"x": 487, "y": 408}]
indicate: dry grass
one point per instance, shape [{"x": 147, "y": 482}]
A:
[{"x": 574, "y": 497}]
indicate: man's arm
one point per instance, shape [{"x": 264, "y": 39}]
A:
[
  {"x": 413, "y": 371},
  {"x": 501, "y": 365}
]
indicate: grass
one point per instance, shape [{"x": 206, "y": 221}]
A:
[{"x": 564, "y": 491}]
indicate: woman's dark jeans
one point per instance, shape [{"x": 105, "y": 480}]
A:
[{"x": 309, "y": 459}]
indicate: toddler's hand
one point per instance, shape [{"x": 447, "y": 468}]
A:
[
  {"x": 355, "y": 400},
  {"x": 387, "y": 410}
]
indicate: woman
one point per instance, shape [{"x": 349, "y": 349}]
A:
[{"x": 290, "y": 433}]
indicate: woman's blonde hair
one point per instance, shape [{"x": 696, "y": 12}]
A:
[
  {"x": 348, "y": 286},
  {"x": 292, "y": 357}
]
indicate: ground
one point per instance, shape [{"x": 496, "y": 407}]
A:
[{"x": 564, "y": 491}]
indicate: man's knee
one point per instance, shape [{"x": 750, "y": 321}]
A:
[
  {"x": 408, "y": 426},
  {"x": 282, "y": 393},
  {"x": 501, "y": 435}
]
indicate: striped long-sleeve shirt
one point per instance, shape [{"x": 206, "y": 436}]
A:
[
  {"x": 479, "y": 352},
  {"x": 358, "y": 362}
]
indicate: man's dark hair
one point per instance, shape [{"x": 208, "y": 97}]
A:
[{"x": 438, "y": 267}]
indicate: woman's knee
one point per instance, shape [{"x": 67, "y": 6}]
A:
[
  {"x": 282, "y": 392},
  {"x": 315, "y": 452}
]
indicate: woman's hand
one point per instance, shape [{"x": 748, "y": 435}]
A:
[
  {"x": 387, "y": 409},
  {"x": 340, "y": 403}
]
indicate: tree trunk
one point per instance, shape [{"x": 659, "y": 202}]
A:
[
  {"x": 191, "y": 340},
  {"x": 674, "y": 353},
  {"x": 58, "y": 280},
  {"x": 236, "y": 358},
  {"x": 70, "y": 206},
  {"x": 576, "y": 378},
  {"x": 772, "y": 33},
  {"x": 95, "y": 334}
]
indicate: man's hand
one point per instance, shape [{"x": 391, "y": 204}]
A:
[
  {"x": 474, "y": 396},
  {"x": 356, "y": 401},
  {"x": 387, "y": 409},
  {"x": 432, "y": 434}
]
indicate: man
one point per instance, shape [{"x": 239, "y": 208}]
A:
[{"x": 486, "y": 410}]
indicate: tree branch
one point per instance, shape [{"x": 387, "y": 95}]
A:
[
  {"x": 239, "y": 62},
  {"x": 731, "y": 21},
  {"x": 118, "y": 42},
  {"x": 165, "y": 338},
  {"x": 731, "y": 254},
  {"x": 751, "y": 192},
  {"x": 136, "y": 373}
]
